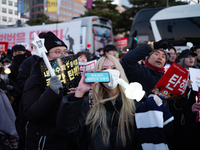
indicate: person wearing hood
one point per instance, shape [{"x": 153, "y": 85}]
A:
[
  {"x": 40, "y": 103},
  {"x": 184, "y": 108},
  {"x": 19, "y": 55}
]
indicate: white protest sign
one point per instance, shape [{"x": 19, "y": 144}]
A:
[
  {"x": 195, "y": 78},
  {"x": 41, "y": 50}
]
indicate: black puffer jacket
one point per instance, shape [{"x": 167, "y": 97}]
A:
[
  {"x": 40, "y": 106},
  {"x": 146, "y": 76},
  {"x": 71, "y": 123},
  {"x": 25, "y": 70}
]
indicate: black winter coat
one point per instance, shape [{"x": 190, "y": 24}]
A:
[
  {"x": 186, "y": 130},
  {"x": 135, "y": 72},
  {"x": 71, "y": 123},
  {"x": 25, "y": 70},
  {"x": 40, "y": 106}
]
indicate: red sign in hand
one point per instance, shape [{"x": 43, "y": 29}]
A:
[{"x": 173, "y": 83}]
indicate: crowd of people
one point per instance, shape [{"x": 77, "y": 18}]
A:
[{"x": 34, "y": 116}]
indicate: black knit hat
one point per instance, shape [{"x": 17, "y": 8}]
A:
[
  {"x": 18, "y": 48},
  {"x": 51, "y": 40},
  {"x": 109, "y": 47}
]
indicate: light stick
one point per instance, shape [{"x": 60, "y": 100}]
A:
[
  {"x": 132, "y": 90},
  {"x": 41, "y": 50}
]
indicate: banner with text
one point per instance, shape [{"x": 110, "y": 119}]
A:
[
  {"x": 195, "y": 78},
  {"x": 67, "y": 70},
  {"x": 3, "y": 47},
  {"x": 88, "y": 66},
  {"x": 65, "y": 31},
  {"x": 173, "y": 83},
  {"x": 121, "y": 43}
]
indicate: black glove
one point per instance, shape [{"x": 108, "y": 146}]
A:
[
  {"x": 55, "y": 84},
  {"x": 164, "y": 43},
  {"x": 9, "y": 87}
]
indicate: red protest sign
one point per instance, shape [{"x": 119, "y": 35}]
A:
[
  {"x": 3, "y": 47},
  {"x": 88, "y": 66},
  {"x": 122, "y": 42},
  {"x": 173, "y": 83}
]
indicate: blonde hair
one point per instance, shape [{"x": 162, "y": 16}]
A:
[{"x": 96, "y": 117}]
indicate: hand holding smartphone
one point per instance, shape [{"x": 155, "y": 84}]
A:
[{"x": 91, "y": 77}]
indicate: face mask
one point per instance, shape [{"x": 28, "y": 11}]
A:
[
  {"x": 20, "y": 58},
  {"x": 6, "y": 66},
  {"x": 114, "y": 76},
  {"x": 60, "y": 57}
]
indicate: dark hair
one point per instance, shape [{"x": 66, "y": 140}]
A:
[
  {"x": 99, "y": 49},
  {"x": 81, "y": 53},
  {"x": 108, "y": 48},
  {"x": 158, "y": 88},
  {"x": 171, "y": 47}
]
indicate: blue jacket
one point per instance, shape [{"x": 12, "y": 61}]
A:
[{"x": 135, "y": 72}]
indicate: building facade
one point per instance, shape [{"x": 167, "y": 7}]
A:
[
  {"x": 68, "y": 9},
  {"x": 9, "y": 13}
]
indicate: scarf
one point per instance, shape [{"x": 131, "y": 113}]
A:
[
  {"x": 155, "y": 68},
  {"x": 151, "y": 117}
]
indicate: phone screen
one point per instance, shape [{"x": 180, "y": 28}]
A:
[{"x": 97, "y": 77}]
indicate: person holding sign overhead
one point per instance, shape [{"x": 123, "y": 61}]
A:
[
  {"x": 186, "y": 133},
  {"x": 40, "y": 103}
]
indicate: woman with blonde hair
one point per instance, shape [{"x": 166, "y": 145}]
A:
[{"x": 109, "y": 124}]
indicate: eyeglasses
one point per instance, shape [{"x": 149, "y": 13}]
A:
[{"x": 60, "y": 52}]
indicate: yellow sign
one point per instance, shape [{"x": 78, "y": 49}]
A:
[
  {"x": 52, "y": 5},
  {"x": 66, "y": 69}
]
